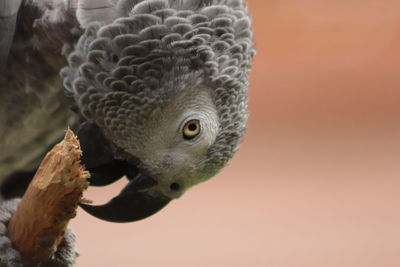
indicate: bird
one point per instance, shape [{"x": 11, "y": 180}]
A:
[{"x": 157, "y": 91}]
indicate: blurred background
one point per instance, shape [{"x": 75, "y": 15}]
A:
[{"x": 316, "y": 182}]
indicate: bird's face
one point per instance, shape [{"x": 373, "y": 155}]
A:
[
  {"x": 164, "y": 93},
  {"x": 169, "y": 148},
  {"x": 174, "y": 139}
]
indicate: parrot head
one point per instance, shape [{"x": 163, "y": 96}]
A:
[{"x": 163, "y": 93}]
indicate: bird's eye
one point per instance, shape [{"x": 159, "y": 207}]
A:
[{"x": 191, "y": 129}]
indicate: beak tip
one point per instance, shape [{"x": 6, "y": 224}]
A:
[
  {"x": 133, "y": 207},
  {"x": 136, "y": 201}
]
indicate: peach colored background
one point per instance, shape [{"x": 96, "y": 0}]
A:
[{"x": 316, "y": 182}]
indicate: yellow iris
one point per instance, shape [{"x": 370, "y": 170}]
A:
[{"x": 191, "y": 129}]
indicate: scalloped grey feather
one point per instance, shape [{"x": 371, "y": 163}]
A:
[{"x": 151, "y": 52}]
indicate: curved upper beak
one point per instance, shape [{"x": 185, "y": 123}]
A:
[
  {"x": 135, "y": 202},
  {"x": 138, "y": 200}
]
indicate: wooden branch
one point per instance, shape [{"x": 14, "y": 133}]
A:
[{"x": 51, "y": 200}]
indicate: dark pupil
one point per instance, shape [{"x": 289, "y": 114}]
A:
[{"x": 192, "y": 127}]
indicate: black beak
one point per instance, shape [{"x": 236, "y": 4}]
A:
[{"x": 135, "y": 202}]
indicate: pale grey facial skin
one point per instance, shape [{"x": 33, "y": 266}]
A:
[{"x": 166, "y": 154}]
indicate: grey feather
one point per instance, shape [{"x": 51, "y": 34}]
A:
[
  {"x": 163, "y": 48},
  {"x": 33, "y": 109},
  {"x": 8, "y": 16},
  {"x": 134, "y": 68}
]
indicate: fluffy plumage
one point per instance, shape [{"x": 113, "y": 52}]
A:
[
  {"x": 154, "y": 51},
  {"x": 138, "y": 73},
  {"x": 33, "y": 109}
]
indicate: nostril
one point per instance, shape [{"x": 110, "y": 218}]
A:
[{"x": 174, "y": 186}]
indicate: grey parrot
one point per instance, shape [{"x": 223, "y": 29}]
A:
[{"x": 155, "y": 89}]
